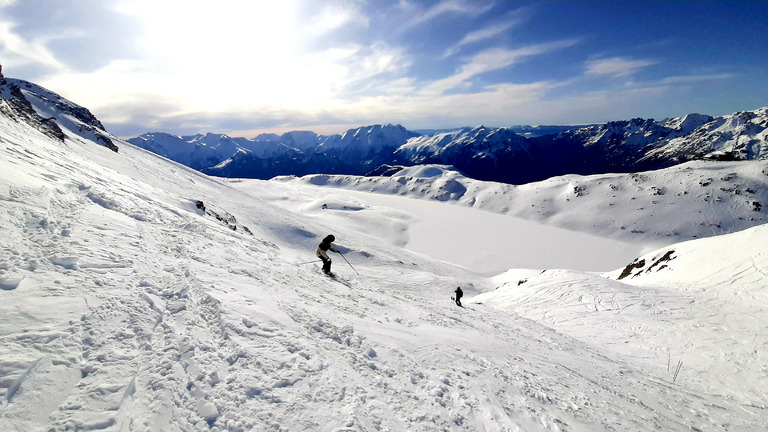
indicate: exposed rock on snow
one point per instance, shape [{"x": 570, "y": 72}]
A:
[
  {"x": 225, "y": 218},
  {"x": 49, "y": 113},
  {"x": 15, "y": 106}
]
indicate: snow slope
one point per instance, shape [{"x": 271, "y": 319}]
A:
[
  {"x": 484, "y": 242},
  {"x": 134, "y": 298},
  {"x": 703, "y": 303}
]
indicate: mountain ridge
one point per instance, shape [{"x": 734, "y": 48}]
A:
[{"x": 493, "y": 154}]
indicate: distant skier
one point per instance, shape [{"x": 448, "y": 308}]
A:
[
  {"x": 322, "y": 253},
  {"x": 459, "y": 295}
]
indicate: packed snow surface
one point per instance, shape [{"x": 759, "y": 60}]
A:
[{"x": 138, "y": 294}]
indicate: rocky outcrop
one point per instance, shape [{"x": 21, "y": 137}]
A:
[
  {"x": 26, "y": 101},
  {"x": 15, "y": 106}
]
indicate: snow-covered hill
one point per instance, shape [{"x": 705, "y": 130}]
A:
[
  {"x": 138, "y": 294},
  {"x": 693, "y": 200},
  {"x": 702, "y": 303}
]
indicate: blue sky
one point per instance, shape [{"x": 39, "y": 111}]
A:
[{"x": 245, "y": 67}]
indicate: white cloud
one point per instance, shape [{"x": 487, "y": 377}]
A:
[
  {"x": 444, "y": 7},
  {"x": 615, "y": 67},
  {"x": 490, "y": 60},
  {"x": 684, "y": 79},
  {"x": 677, "y": 80},
  {"x": 510, "y": 20},
  {"x": 17, "y": 51},
  {"x": 487, "y": 32},
  {"x": 335, "y": 16},
  {"x": 480, "y": 35},
  {"x": 220, "y": 56}
]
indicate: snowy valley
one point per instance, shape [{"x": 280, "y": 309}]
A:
[{"x": 141, "y": 295}]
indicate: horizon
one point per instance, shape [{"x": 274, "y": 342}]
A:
[
  {"x": 281, "y": 132},
  {"x": 328, "y": 67}
]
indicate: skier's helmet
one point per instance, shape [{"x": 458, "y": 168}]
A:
[{"x": 330, "y": 238}]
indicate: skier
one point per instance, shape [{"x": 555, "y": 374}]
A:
[
  {"x": 459, "y": 295},
  {"x": 321, "y": 253}
]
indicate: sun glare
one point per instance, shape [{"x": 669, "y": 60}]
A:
[{"x": 256, "y": 46}]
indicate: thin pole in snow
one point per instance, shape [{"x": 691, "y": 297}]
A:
[
  {"x": 345, "y": 259},
  {"x": 677, "y": 371}
]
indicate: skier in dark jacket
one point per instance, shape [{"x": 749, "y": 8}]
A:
[
  {"x": 459, "y": 295},
  {"x": 322, "y": 253}
]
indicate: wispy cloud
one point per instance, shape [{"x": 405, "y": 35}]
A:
[
  {"x": 490, "y": 60},
  {"x": 494, "y": 30},
  {"x": 447, "y": 7},
  {"x": 678, "y": 80},
  {"x": 487, "y": 33},
  {"x": 16, "y": 50},
  {"x": 479, "y": 35},
  {"x": 615, "y": 66},
  {"x": 684, "y": 79}
]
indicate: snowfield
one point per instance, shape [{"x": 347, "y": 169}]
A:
[
  {"x": 140, "y": 295},
  {"x": 484, "y": 242}
]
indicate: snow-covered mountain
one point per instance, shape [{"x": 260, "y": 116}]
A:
[
  {"x": 204, "y": 151},
  {"x": 482, "y": 151},
  {"x": 492, "y": 154},
  {"x": 50, "y": 113},
  {"x": 527, "y": 131},
  {"x": 300, "y": 152},
  {"x": 620, "y": 146},
  {"x": 366, "y": 147},
  {"x": 741, "y": 136},
  {"x": 139, "y": 294}
]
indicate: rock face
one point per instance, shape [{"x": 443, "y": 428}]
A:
[
  {"x": 15, "y": 106},
  {"x": 50, "y": 113}
]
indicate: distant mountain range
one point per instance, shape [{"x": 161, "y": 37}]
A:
[
  {"x": 356, "y": 151},
  {"x": 494, "y": 154}
]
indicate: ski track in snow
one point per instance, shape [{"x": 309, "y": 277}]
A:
[{"x": 126, "y": 309}]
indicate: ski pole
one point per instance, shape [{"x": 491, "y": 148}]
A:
[
  {"x": 308, "y": 262},
  {"x": 345, "y": 259}
]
